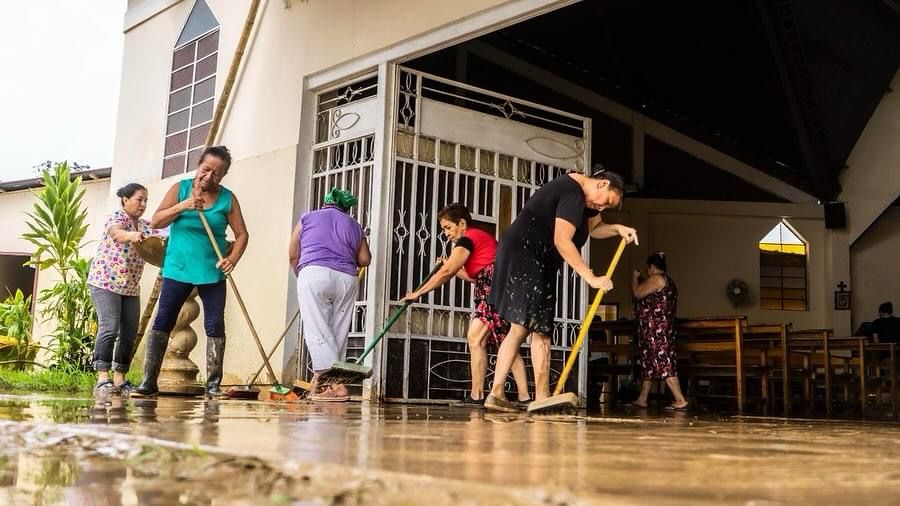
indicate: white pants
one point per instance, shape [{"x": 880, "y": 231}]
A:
[{"x": 326, "y": 299}]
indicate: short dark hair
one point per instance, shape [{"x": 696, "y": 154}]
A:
[
  {"x": 886, "y": 307},
  {"x": 616, "y": 181},
  {"x": 127, "y": 191},
  {"x": 455, "y": 212},
  {"x": 658, "y": 260},
  {"x": 220, "y": 152}
]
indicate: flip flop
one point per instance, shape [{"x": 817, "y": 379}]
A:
[
  {"x": 671, "y": 407},
  {"x": 492, "y": 403}
]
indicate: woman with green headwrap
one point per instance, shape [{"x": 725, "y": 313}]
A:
[{"x": 328, "y": 246}]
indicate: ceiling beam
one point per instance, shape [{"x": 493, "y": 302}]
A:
[
  {"x": 633, "y": 118},
  {"x": 785, "y": 46}
]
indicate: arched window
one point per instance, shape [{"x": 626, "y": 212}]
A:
[
  {"x": 782, "y": 269},
  {"x": 191, "y": 90}
]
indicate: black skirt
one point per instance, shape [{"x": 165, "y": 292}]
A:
[{"x": 523, "y": 290}]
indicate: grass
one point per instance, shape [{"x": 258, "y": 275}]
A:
[{"x": 53, "y": 380}]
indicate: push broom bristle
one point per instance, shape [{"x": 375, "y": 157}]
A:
[
  {"x": 345, "y": 373},
  {"x": 557, "y": 404}
]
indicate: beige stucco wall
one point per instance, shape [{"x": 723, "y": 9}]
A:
[
  {"x": 261, "y": 127},
  {"x": 710, "y": 243},
  {"x": 873, "y": 263},
  {"x": 13, "y": 207},
  {"x": 872, "y": 180}
]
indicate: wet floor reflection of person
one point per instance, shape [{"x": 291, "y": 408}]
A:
[
  {"x": 327, "y": 249},
  {"x": 554, "y": 224},
  {"x": 472, "y": 259},
  {"x": 657, "y": 305}
]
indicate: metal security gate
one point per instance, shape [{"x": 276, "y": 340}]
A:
[
  {"x": 344, "y": 156},
  {"x": 454, "y": 142}
]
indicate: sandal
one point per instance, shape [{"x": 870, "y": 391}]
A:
[
  {"x": 105, "y": 388},
  {"x": 492, "y": 403},
  {"x": 329, "y": 394},
  {"x": 672, "y": 407}
]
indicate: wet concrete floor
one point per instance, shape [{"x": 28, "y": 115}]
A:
[{"x": 465, "y": 454}]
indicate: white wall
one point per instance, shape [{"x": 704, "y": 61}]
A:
[
  {"x": 872, "y": 180},
  {"x": 13, "y": 207},
  {"x": 873, "y": 263},
  {"x": 710, "y": 243},
  {"x": 261, "y": 127}
]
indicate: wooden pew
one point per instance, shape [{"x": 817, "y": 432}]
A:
[
  {"x": 715, "y": 335},
  {"x": 616, "y": 338},
  {"x": 773, "y": 337},
  {"x": 811, "y": 341},
  {"x": 890, "y": 349}
]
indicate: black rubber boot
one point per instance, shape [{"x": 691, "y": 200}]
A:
[
  {"x": 156, "y": 348},
  {"x": 215, "y": 358}
]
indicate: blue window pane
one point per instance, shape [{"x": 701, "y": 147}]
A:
[{"x": 200, "y": 21}]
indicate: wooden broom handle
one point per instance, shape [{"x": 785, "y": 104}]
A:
[
  {"x": 237, "y": 295},
  {"x": 586, "y": 324}
]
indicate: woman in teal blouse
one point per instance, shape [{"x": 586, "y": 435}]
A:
[{"x": 191, "y": 262}]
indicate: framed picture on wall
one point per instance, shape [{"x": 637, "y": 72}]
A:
[{"x": 842, "y": 301}]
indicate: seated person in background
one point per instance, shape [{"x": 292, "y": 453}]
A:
[{"x": 886, "y": 329}]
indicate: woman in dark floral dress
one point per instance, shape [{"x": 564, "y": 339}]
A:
[
  {"x": 472, "y": 259},
  {"x": 658, "y": 300}
]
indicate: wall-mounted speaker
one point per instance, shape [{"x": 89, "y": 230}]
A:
[{"x": 835, "y": 215}]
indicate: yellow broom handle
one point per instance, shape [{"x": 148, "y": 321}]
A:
[{"x": 586, "y": 324}]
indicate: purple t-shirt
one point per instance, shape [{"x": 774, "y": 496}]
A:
[{"x": 330, "y": 238}]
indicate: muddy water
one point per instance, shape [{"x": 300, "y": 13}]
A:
[{"x": 175, "y": 450}]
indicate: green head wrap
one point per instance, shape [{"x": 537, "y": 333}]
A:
[{"x": 341, "y": 198}]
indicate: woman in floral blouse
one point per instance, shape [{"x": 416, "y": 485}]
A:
[{"x": 114, "y": 284}]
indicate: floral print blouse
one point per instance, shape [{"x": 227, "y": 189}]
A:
[{"x": 117, "y": 267}]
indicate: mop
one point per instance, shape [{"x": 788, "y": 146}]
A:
[
  {"x": 354, "y": 371},
  {"x": 567, "y": 402}
]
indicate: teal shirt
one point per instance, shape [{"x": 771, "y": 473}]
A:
[{"x": 190, "y": 257}]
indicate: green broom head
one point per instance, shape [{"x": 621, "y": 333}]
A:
[
  {"x": 280, "y": 390},
  {"x": 345, "y": 372}
]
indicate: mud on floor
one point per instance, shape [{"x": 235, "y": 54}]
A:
[{"x": 66, "y": 463}]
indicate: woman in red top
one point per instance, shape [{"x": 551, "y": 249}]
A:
[{"x": 472, "y": 259}]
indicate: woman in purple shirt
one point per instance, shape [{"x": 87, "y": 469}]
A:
[{"x": 327, "y": 249}]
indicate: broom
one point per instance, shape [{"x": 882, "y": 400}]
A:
[
  {"x": 354, "y": 371},
  {"x": 566, "y": 402},
  {"x": 248, "y": 391},
  {"x": 276, "y": 388}
]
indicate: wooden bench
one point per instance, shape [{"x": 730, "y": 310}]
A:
[
  {"x": 617, "y": 339},
  {"x": 768, "y": 338},
  {"x": 715, "y": 336}
]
